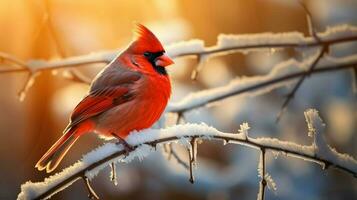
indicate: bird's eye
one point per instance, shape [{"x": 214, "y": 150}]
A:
[{"x": 147, "y": 54}]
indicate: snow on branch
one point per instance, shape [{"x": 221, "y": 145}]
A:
[
  {"x": 280, "y": 76},
  {"x": 316, "y": 129},
  {"x": 336, "y": 34},
  {"x": 226, "y": 44},
  {"x": 143, "y": 143},
  {"x": 332, "y": 35}
]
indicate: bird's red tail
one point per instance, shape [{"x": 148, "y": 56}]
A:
[{"x": 55, "y": 154}]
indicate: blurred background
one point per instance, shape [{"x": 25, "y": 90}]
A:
[{"x": 56, "y": 29}]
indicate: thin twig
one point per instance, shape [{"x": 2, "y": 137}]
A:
[
  {"x": 201, "y": 60},
  {"x": 14, "y": 70},
  {"x": 92, "y": 194},
  {"x": 113, "y": 175},
  {"x": 52, "y": 29},
  {"x": 192, "y": 157},
  {"x": 191, "y": 179},
  {"x": 73, "y": 74},
  {"x": 171, "y": 153},
  {"x": 291, "y": 95},
  {"x": 263, "y": 182},
  {"x": 324, "y": 49},
  {"x": 179, "y": 117},
  {"x": 12, "y": 59},
  {"x": 77, "y": 76},
  {"x": 167, "y": 149},
  {"x": 310, "y": 23},
  {"x": 21, "y": 94},
  {"x": 170, "y": 150},
  {"x": 178, "y": 159}
]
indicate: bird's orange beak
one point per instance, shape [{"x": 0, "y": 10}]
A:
[{"x": 163, "y": 61}]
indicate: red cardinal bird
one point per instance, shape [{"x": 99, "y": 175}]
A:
[{"x": 128, "y": 94}]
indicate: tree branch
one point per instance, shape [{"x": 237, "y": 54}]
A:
[
  {"x": 258, "y": 85},
  {"x": 334, "y": 35},
  {"x": 143, "y": 141},
  {"x": 226, "y": 44}
]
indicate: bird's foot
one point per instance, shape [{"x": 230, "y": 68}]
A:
[{"x": 127, "y": 147}]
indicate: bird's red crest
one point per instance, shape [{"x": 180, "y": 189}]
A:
[{"x": 145, "y": 40}]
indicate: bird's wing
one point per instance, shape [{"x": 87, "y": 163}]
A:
[{"x": 102, "y": 99}]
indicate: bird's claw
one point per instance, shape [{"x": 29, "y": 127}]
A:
[{"x": 127, "y": 147}]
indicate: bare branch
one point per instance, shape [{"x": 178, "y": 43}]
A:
[
  {"x": 201, "y": 60},
  {"x": 170, "y": 150},
  {"x": 173, "y": 154},
  {"x": 180, "y": 116},
  {"x": 291, "y": 95},
  {"x": 192, "y": 157},
  {"x": 190, "y": 161},
  {"x": 52, "y": 29},
  {"x": 263, "y": 182},
  {"x": 13, "y": 60},
  {"x": 310, "y": 24},
  {"x": 28, "y": 83},
  {"x": 113, "y": 175},
  {"x": 92, "y": 194},
  {"x": 323, "y": 50},
  {"x": 39, "y": 65}
]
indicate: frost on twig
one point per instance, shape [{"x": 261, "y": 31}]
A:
[
  {"x": 261, "y": 174},
  {"x": 316, "y": 129},
  {"x": 113, "y": 173},
  {"x": 142, "y": 143},
  {"x": 192, "y": 155},
  {"x": 244, "y": 130},
  {"x": 266, "y": 179}
]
